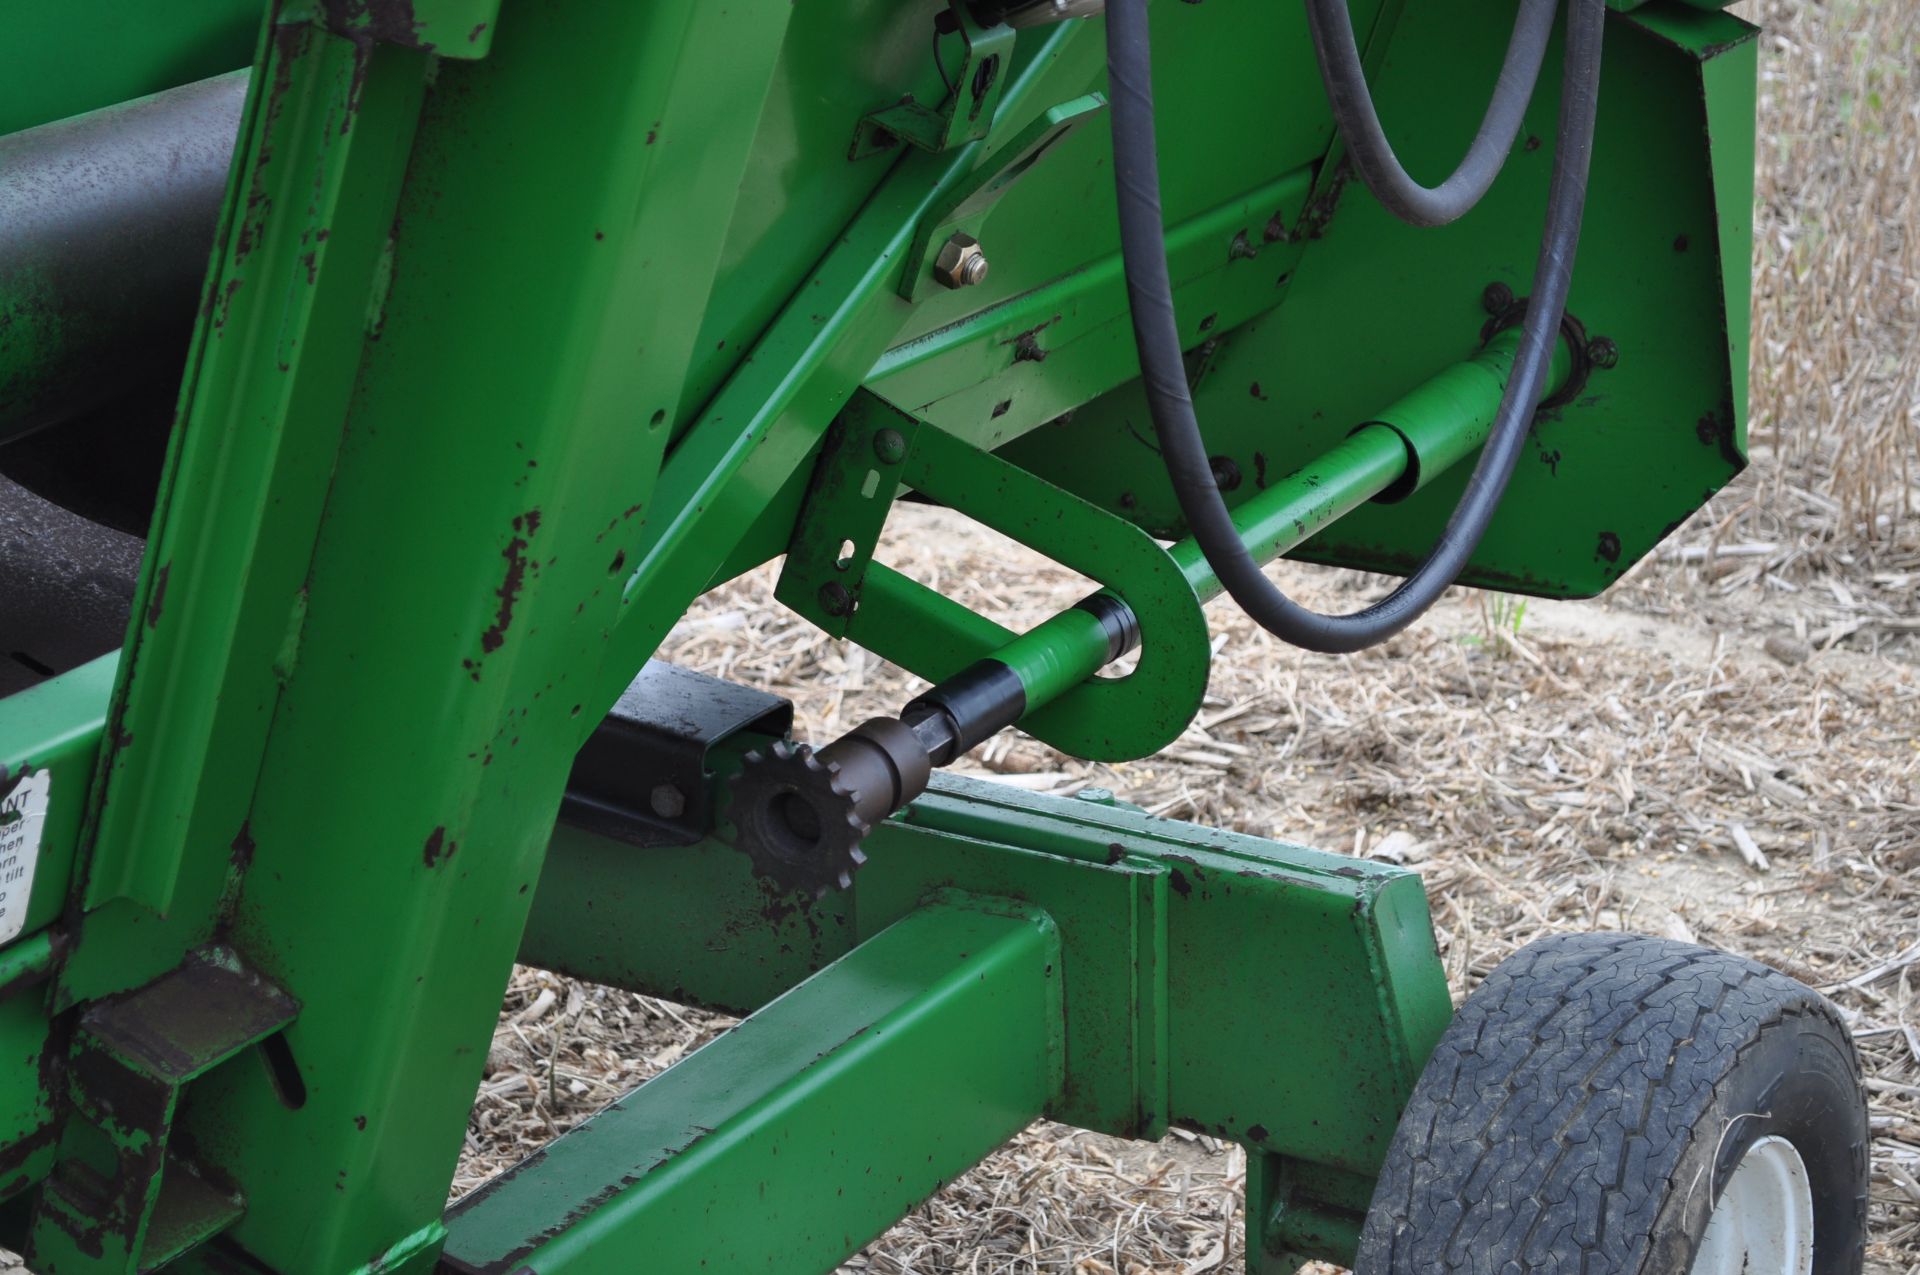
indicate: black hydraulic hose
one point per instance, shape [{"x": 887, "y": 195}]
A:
[
  {"x": 1163, "y": 371},
  {"x": 1335, "y": 48}
]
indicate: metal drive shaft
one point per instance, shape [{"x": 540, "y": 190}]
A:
[{"x": 802, "y": 813}]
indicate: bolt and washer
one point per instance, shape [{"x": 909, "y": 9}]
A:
[
  {"x": 890, "y": 445},
  {"x": 962, "y": 263}
]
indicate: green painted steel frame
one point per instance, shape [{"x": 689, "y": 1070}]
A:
[
  {"x": 808, "y": 1129},
  {"x": 496, "y": 460},
  {"x": 1281, "y": 997},
  {"x": 458, "y": 442},
  {"x": 1373, "y": 307},
  {"x": 1160, "y": 937},
  {"x": 337, "y": 413}
]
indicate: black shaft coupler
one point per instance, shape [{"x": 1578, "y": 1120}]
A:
[{"x": 801, "y": 814}]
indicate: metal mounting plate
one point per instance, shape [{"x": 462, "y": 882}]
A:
[{"x": 643, "y": 777}]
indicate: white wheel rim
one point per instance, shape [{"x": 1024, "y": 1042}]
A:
[{"x": 1763, "y": 1223}]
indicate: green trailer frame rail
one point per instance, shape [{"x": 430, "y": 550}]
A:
[{"x": 526, "y": 323}]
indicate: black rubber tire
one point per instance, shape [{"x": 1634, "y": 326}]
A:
[{"x": 1568, "y": 1120}]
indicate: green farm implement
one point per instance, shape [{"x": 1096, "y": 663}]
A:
[{"x": 382, "y": 380}]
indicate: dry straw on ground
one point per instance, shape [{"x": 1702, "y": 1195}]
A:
[{"x": 1724, "y": 749}]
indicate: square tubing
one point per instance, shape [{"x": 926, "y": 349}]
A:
[
  {"x": 416, "y": 429},
  {"x": 1267, "y": 994},
  {"x": 812, "y": 1126}
]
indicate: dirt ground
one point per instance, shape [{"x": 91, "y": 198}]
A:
[{"x": 1724, "y": 749}]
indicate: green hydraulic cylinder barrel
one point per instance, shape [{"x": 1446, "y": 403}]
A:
[
  {"x": 1446, "y": 419},
  {"x": 1064, "y": 650},
  {"x": 1056, "y": 655},
  {"x": 1372, "y": 460},
  {"x": 885, "y": 763},
  {"x": 1423, "y": 434}
]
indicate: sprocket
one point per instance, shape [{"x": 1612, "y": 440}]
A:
[{"x": 797, "y": 820}]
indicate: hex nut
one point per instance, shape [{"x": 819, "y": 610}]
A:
[
  {"x": 961, "y": 263},
  {"x": 667, "y": 801},
  {"x": 834, "y": 598}
]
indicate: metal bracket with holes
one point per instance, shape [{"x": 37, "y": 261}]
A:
[
  {"x": 965, "y": 116},
  {"x": 966, "y": 208}
]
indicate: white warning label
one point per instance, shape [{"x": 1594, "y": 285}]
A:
[{"x": 23, "y": 817}]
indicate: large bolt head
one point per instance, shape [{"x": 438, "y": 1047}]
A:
[{"x": 961, "y": 263}]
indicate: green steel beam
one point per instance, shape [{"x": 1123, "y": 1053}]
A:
[
  {"x": 1264, "y": 993},
  {"x": 339, "y": 413},
  {"x": 1195, "y": 960},
  {"x": 267, "y": 384},
  {"x": 804, "y": 1132},
  {"x": 505, "y": 440}
]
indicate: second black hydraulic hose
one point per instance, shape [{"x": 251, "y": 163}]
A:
[
  {"x": 1338, "y": 53},
  {"x": 1163, "y": 370}
]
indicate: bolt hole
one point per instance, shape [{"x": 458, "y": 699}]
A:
[
  {"x": 983, "y": 81},
  {"x": 660, "y": 418},
  {"x": 793, "y": 828},
  {"x": 845, "y": 558},
  {"x": 870, "y": 485},
  {"x": 283, "y": 1073}
]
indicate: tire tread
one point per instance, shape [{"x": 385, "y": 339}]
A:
[{"x": 1617, "y": 1045}]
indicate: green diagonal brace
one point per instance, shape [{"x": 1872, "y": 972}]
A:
[
  {"x": 969, "y": 204},
  {"x": 803, "y": 1133}
]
